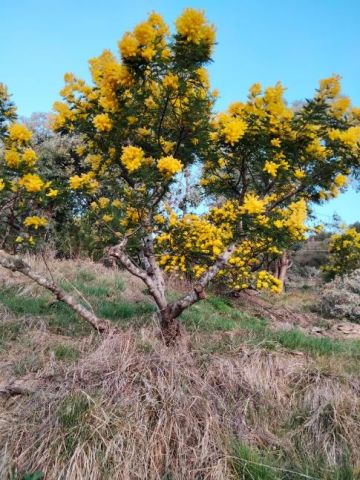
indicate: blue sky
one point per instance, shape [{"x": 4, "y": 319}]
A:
[{"x": 295, "y": 41}]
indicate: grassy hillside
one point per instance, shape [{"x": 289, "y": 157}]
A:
[{"x": 241, "y": 398}]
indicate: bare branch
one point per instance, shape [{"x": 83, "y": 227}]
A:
[{"x": 16, "y": 264}]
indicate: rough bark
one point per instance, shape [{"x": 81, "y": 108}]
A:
[{"x": 16, "y": 264}]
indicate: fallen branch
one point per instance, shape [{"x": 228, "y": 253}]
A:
[{"x": 16, "y": 264}]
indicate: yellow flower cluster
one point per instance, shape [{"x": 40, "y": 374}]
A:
[
  {"x": 340, "y": 180},
  {"x": 35, "y": 222},
  {"x": 271, "y": 168},
  {"x": 19, "y": 133},
  {"x": 169, "y": 166},
  {"x": 253, "y": 205},
  {"x": 330, "y": 87},
  {"x": 293, "y": 219},
  {"x": 146, "y": 40},
  {"x": 2, "y": 184},
  {"x": 228, "y": 213},
  {"x": 171, "y": 81},
  {"x": 231, "y": 128},
  {"x": 102, "y": 122},
  {"x": 192, "y": 25},
  {"x": 84, "y": 181},
  {"x": 31, "y": 182},
  {"x": 191, "y": 236},
  {"x": 340, "y": 106},
  {"x": 109, "y": 75},
  {"x": 29, "y": 157},
  {"x": 63, "y": 115},
  {"x": 14, "y": 159},
  {"x": 350, "y": 137},
  {"x": 267, "y": 281},
  {"x": 132, "y": 158}
]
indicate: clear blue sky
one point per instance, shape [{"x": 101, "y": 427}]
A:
[{"x": 295, "y": 41}]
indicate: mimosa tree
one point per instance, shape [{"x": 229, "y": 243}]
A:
[
  {"x": 149, "y": 116},
  {"x": 344, "y": 253}
]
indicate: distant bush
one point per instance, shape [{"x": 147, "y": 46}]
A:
[{"x": 341, "y": 297}]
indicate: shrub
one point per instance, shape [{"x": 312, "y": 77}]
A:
[{"x": 341, "y": 297}]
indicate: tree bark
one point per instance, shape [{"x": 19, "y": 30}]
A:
[
  {"x": 16, "y": 264},
  {"x": 282, "y": 266}
]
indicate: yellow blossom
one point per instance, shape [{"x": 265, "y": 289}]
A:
[
  {"x": 169, "y": 166},
  {"x": 52, "y": 193},
  {"x": 159, "y": 219},
  {"x": 271, "y": 168},
  {"x": 12, "y": 158},
  {"x": 275, "y": 142},
  {"x": 116, "y": 203},
  {"x": 299, "y": 174},
  {"x": 193, "y": 26},
  {"x": 132, "y": 158},
  {"x": 103, "y": 202},
  {"x": 29, "y": 157},
  {"x": 35, "y": 222},
  {"x": 19, "y": 133},
  {"x": 102, "y": 122},
  {"x": 252, "y": 205},
  {"x": 128, "y": 45},
  {"x": 31, "y": 182},
  {"x": 171, "y": 81},
  {"x": 84, "y": 181},
  {"x": 340, "y": 180},
  {"x": 233, "y": 129}
]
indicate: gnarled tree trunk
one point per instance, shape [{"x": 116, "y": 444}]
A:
[{"x": 154, "y": 280}]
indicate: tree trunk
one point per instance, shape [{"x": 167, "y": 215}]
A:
[
  {"x": 170, "y": 326},
  {"x": 283, "y": 267},
  {"x": 154, "y": 280}
]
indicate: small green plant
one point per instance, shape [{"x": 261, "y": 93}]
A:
[
  {"x": 73, "y": 410},
  {"x": 248, "y": 464},
  {"x": 33, "y": 476},
  {"x": 66, "y": 353}
]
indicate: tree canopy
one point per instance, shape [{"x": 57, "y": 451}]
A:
[{"x": 149, "y": 116}]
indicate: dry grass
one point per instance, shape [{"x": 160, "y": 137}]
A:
[{"x": 132, "y": 409}]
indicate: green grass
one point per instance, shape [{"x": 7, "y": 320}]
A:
[
  {"x": 66, "y": 353},
  {"x": 23, "y": 305},
  {"x": 248, "y": 464},
  {"x": 29, "y": 364},
  {"x": 9, "y": 331},
  {"x": 252, "y": 464},
  {"x": 214, "y": 314},
  {"x": 106, "y": 300},
  {"x": 71, "y": 415}
]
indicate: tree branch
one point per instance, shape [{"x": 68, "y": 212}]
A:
[{"x": 16, "y": 264}]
